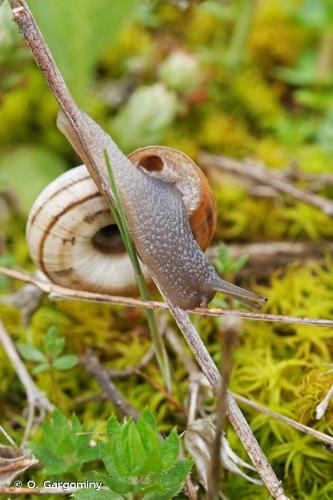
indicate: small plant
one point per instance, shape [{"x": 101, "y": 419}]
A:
[
  {"x": 64, "y": 445},
  {"x": 138, "y": 462},
  {"x": 51, "y": 357},
  {"x": 226, "y": 265}
]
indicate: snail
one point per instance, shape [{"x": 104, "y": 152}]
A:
[
  {"x": 73, "y": 237},
  {"x": 164, "y": 195}
]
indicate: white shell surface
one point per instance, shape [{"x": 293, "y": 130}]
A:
[{"x": 60, "y": 230}]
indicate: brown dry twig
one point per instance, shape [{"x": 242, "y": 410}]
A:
[
  {"x": 259, "y": 174},
  {"x": 36, "y": 399},
  {"x": 228, "y": 336},
  {"x": 93, "y": 366},
  {"x": 325, "y": 438}
]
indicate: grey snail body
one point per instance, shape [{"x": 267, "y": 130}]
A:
[
  {"x": 160, "y": 192},
  {"x": 166, "y": 244}
]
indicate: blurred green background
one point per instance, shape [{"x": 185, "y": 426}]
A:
[{"x": 245, "y": 78}]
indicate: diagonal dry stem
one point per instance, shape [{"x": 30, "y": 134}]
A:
[
  {"x": 261, "y": 175},
  {"x": 36, "y": 399}
]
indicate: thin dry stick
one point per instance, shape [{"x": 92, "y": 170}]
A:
[
  {"x": 325, "y": 438},
  {"x": 36, "y": 398},
  {"x": 63, "y": 293},
  {"x": 93, "y": 366},
  {"x": 315, "y": 181},
  {"x": 8, "y": 437},
  {"x": 258, "y": 173},
  {"x": 19, "y": 465},
  {"x": 27, "y": 25},
  {"x": 228, "y": 337}
]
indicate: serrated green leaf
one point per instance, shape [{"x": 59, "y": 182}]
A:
[
  {"x": 76, "y": 424},
  {"x": 176, "y": 475},
  {"x": 65, "y": 362},
  {"x": 169, "y": 484},
  {"x": 114, "y": 452},
  {"x": 119, "y": 485},
  {"x": 152, "y": 463},
  {"x": 113, "y": 426},
  {"x": 31, "y": 353},
  {"x": 170, "y": 449},
  {"x": 105, "y": 452},
  {"x": 149, "y": 419},
  {"x": 121, "y": 451},
  {"x": 64, "y": 445},
  {"x": 147, "y": 428},
  {"x": 136, "y": 450}
]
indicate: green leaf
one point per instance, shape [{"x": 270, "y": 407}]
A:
[
  {"x": 177, "y": 474},
  {"x": 171, "y": 482},
  {"x": 170, "y": 449},
  {"x": 136, "y": 450},
  {"x": 119, "y": 485},
  {"x": 148, "y": 430},
  {"x": 152, "y": 464},
  {"x": 78, "y": 32},
  {"x": 64, "y": 445},
  {"x": 54, "y": 345},
  {"x": 66, "y": 362},
  {"x": 113, "y": 426},
  {"x": 31, "y": 353},
  {"x": 40, "y": 368}
]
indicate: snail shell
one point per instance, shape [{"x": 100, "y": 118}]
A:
[{"x": 73, "y": 238}]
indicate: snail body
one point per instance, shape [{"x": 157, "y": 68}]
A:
[
  {"x": 160, "y": 189},
  {"x": 73, "y": 238}
]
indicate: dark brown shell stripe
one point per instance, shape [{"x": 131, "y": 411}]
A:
[
  {"x": 90, "y": 219},
  {"x": 53, "y": 195},
  {"x": 54, "y": 221}
]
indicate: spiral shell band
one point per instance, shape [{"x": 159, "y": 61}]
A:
[{"x": 61, "y": 236}]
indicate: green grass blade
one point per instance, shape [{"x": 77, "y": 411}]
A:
[{"x": 120, "y": 218}]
